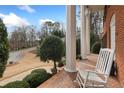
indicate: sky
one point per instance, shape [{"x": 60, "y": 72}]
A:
[{"x": 31, "y": 15}]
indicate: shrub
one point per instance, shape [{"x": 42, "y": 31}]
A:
[
  {"x": 49, "y": 75},
  {"x": 11, "y": 62},
  {"x": 35, "y": 79},
  {"x": 60, "y": 64},
  {"x": 4, "y": 48},
  {"x": 93, "y": 38},
  {"x": 79, "y": 57},
  {"x": 78, "y": 48},
  {"x": 2, "y": 68},
  {"x": 96, "y": 47},
  {"x": 40, "y": 71},
  {"x": 52, "y": 48},
  {"x": 64, "y": 52},
  {"x": 58, "y": 33},
  {"x": 53, "y": 70},
  {"x": 17, "y": 84}
]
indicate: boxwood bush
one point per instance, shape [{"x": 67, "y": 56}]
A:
[
  {"x": 32, "y": 80},
  {"x": 17, "y": 84},
  {"x": 37, "y": 77},
  {"x": 49, "y": 75},
  {"x": 41, "y": 71}
]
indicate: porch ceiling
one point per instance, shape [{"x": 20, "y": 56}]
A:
[{"x": 96, "y": 7}]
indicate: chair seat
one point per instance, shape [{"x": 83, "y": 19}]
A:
[{"x": 92, "y": 76}]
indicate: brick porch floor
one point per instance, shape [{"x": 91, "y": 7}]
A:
[{"x": 65, "y": 80}]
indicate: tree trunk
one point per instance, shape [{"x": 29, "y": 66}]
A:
[
  {"x": 1, "y": 75},
  {"x": 54, "y": 71},
  {"x": 55, "y": 64}
]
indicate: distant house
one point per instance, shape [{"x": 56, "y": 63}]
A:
[{"x": 114, "y": 36}]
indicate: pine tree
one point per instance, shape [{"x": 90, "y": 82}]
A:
[{"x": 4, "y": 47}]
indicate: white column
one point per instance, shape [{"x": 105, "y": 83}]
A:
[
  {"x": 71, "y": 39},
  {"x": 83, "y": 32},
  {"x": 88, "y": 32}
]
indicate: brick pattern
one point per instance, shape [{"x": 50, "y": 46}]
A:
[
  {"x": 65, "y": 80},
  {"x": 60, "y": 80},
  {"x": 119, "y": 51}
]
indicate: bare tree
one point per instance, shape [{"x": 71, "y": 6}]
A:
[{"x": 22, "y": 37}]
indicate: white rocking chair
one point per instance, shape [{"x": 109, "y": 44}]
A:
[{"x": 98, "y": 77}]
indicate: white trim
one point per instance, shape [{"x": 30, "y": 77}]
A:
[
  {"x": 70, "y": 70},
  {"x": 83, "y": 32},
  {"x": 88, "y": 31},
  {"x": 71, "y": 39},
  {"x": 113, "y": 33}
]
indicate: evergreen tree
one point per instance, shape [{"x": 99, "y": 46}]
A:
[
  {"x": 4, "y": 48},
  {"x": 52, "y": 48}
]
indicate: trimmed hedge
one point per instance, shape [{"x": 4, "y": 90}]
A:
[
  {"x": 17, "y": 84},
  {"x": 41, "y": 71},
  {"x": 52, "y": 48},
  {"x": 49, "y": 75},
  {"x": 37, "y": 77},
  {"x": 32, "y": 80}
]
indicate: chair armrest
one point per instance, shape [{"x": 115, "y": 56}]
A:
[{"x": 91, "y": 71}]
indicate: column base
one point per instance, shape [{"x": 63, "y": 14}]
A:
[
  {"x": 84, "y": 58},
  {"x": 69, "y": 70},
  {"x": 88, "y": 53},
  {"x": 71, "y": 74}
]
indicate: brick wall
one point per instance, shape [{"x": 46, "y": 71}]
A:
[{"x": 119, "y": 50}]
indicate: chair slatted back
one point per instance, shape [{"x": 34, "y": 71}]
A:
[{"x": 104, "y": 61}]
